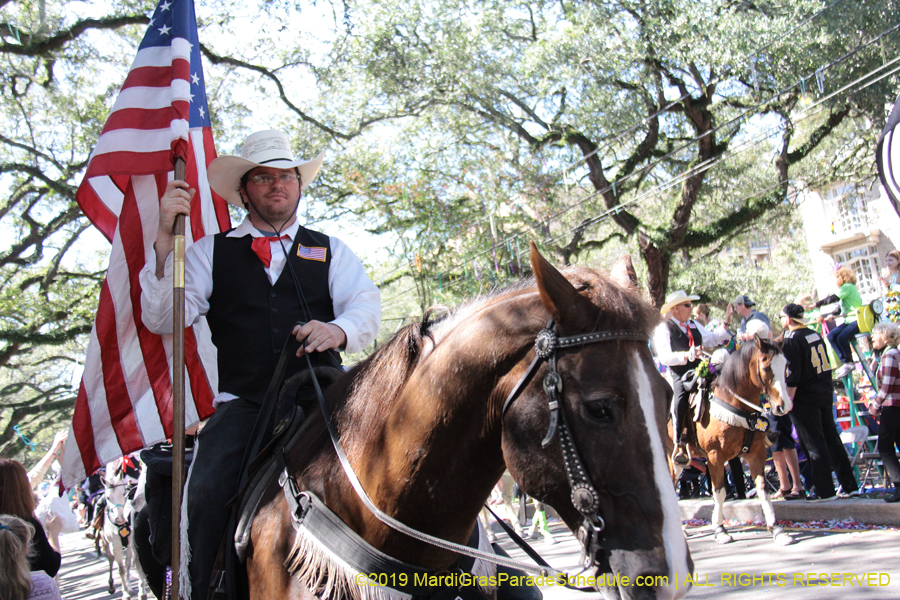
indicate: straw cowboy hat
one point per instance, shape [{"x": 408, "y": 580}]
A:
[
  {"x": 261, "y": 149},
  {"x": 674, "y": 299}
]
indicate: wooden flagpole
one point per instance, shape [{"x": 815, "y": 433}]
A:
[{"x": 177, "y": 389}]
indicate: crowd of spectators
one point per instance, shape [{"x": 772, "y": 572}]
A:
[
  {"x": 28, "y": 562},
  {"x": 681, "y": 341},
  {"x": 33, "y": 513}
]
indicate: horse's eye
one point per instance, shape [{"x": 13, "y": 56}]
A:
[{"x": 599, "y": 410}]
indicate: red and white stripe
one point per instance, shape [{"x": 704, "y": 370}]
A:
[
  {"x": 125, "y": 398},
  {"x": 311, "y": 252}
]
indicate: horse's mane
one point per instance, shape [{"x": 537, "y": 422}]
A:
[
  {"x": 368, "y": 395},
  {"x": 736, "y": 368},
  {"x": 377, "y": 380}
]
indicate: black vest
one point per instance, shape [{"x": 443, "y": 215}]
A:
[
  {"x": 250, "y": 318},
  {"x": 679, "y": 342}
]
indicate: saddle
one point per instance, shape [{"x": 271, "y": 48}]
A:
[
  {"x": 699, "y": 399},
  {"x": 294, "y": 402},
  {"x": 158, "y": 496},
  {"x": 274, "y": 432}
]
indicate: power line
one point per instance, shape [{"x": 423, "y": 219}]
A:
[
  {"x": 715, "y": 82},
  {"x": 708, "y": 164},
  {"x": 805, "y": 114},
  {"x": 647, "y": 119},
  {"x": 736, "y": 119},
  {"x": 791, "y": 197}
]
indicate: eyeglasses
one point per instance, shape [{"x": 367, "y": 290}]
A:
[
  {"x": 269, "y": 179},
  {"x": 687, "y": 305}
]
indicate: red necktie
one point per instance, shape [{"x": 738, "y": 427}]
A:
[
  {"x": 690, "y": 336},
  {"x": 263, "y": 249}
]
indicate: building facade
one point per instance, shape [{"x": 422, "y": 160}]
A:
[{"x": 850, "y": 224}]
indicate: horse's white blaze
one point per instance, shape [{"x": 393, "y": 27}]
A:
[
  {"x": 779, "y": 368},
  {"x": 673, "y": 535}
]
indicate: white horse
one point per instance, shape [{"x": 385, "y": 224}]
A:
[
  {"x": 134, "y": 504},
  {"x": 115, "y": 525}
]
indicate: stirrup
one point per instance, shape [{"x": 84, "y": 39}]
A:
[{"x": 219, "y": 592}]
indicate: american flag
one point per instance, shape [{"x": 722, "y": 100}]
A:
[
  {"x": 125, "y": 397},
  {"x": 311, "y": 252},
  {"x": 887, "y": 156}
]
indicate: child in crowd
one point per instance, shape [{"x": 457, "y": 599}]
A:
[
  {"x": 850, "y": 300},
  {"x": 17, "y": 580}
]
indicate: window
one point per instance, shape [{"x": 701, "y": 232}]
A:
[
  {"x": 848, "y": 209},
  {"x": 838, "y": 191},
  {"x": 852, "y": 211},
  {"x": 863, "y": 261}
]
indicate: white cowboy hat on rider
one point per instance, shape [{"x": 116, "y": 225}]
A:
[
  {"x": 268, "y": 148},
  {"x": 674, "y": 299}
]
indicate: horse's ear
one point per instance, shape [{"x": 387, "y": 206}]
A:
[
  {"x": 623, "y": 272},
  {"x": 764, "y": 344},
  {"x": 559, "y": 296}
]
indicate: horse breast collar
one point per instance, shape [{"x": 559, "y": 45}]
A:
[
  {"x": 751, "y": 422},
  {"x": 584, "y": 497}
]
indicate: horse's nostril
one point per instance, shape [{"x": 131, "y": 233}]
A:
[{"x": 648, "y": 586}]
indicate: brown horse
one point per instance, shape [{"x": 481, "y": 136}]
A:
[
  {"x": 424, "y": 425},
  {"x": 757, "y": 368}
]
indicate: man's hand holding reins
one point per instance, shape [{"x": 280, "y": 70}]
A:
[
  {"x": 692, "y": 353},
  {"x": 175, "y": 201},
  {"x": 320, "y": 337}
]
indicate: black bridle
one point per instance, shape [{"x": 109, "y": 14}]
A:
[{"x": 584, "y": 497}]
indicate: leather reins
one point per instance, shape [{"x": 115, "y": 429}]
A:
[{"x": 584, "y": 496}]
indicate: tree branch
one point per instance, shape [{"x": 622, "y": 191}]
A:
[
  {"x": 53, "y": 338},
  {"x": 33, "y": 46}
]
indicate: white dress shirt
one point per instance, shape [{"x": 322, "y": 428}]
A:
[
  {"x": 663, "y": 345},
  {"x": 356, "y": 300}
]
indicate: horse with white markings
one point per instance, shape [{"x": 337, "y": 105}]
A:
[
  {"x": 116, "y": 527},
  {"x": 734, "y": 426},
  {"x": 575, "y": 409}
]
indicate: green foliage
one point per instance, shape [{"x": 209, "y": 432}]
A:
[
  {"x": 667, "y": 111},
  {"x": 718, "y": 279},
  {"x": 457, "y": 132}
]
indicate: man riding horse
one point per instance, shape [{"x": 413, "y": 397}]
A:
[
  {"x": 257, "y": 284},
  {"x": 678, "y": 341}
]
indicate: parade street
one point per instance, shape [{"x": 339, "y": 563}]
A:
[{"x": 819, "y": 565}]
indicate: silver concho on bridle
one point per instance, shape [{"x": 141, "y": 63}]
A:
[{"x": 584, "y": 497}]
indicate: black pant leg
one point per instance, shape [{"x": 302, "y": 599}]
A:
[
  {"x": 840, "y": 462},
  {"x": 737, "y": 477},
  {"x": 888, "y": 437},
  {"x": 808, "y": 421},
  {"x": 679, "y": 405},
  {"x": 214, "y": 477}
]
